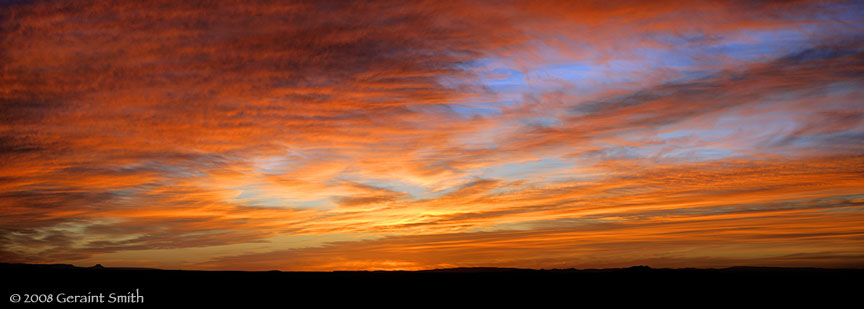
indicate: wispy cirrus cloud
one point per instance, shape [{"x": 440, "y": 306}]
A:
[{"x": 537, "y": 134}]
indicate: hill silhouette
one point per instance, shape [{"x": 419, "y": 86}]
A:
[{"x": 484, "y": 285}]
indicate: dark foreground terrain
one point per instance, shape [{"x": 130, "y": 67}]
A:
[{"x": 485, "y": 286}]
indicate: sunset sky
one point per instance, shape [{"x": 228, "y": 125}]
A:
[{"x": 385, "y": 135}]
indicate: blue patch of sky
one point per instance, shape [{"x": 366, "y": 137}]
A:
[
  {"x": 475, "y": 109},
  {"x": 698, "y": 154},
  {"x": 542, "y": 122},
  {"x": 523, "y": 170},
  {"x": 771, "y": 123},
  {"x": 677, "y": 134},
  {"x": 687, "y": 58},
  {"x": 847, "y": 12},
  {"x": 503, "y": 78},
  {"x": 564, "y": 71},
  {"x": 686, "y": 55},
  {"x": 509, "y": 85},
  {"x": 616, "y": 152},
  {"x": 689, "y": 52},
  {"x": 764, "y": 44}
]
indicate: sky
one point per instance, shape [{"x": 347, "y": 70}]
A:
[{"x": 407, "y": 135}]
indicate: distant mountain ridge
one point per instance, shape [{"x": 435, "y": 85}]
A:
[{"x": 457, "y": 269}]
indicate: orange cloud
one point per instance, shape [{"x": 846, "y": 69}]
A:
[{"x": 433, "y": 134}]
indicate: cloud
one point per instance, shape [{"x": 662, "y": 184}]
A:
[
  {"x": 706, "y": 99},
  {"x": 503, "y": 129},
  {"x": 766, "y": 239}
]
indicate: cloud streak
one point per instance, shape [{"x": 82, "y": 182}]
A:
[{"x": 319, "y": 135}]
